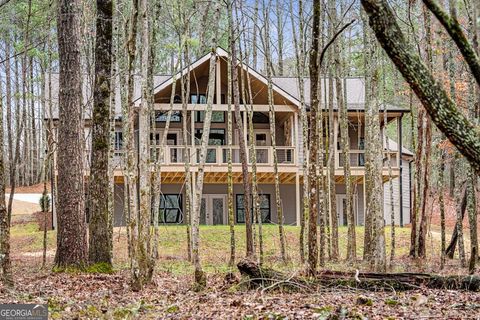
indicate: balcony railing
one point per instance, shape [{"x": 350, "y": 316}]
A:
[
  {"x": 218, "y": 155},
  {"x": 357, "y": 159},
  {"x": 172, "y": 155}
]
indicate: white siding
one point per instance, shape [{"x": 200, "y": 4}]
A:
[{"x": 396, "y": 197}]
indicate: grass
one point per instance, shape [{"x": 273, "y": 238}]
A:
[{"x": 214, "y": 246}]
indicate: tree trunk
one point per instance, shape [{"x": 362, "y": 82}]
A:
[
  {"x": 271, "y": 116},
  {"x": 100, "y": 223},
  {"x": 279, "y": 14},
  {"x": 450, "y": 251},
  {"x": 373, "y": 160},
  {"x": 422, "y": 232},
  {"x": 143, "y": 263},
  {"x": 231, "y": 212},
  {"x": 128, "y": 114},
  {"x": 314, "y": 137},
  {"x": 200, "y": 277},
  {"x": 300, "y": 68},
  {"x": 243, "y": 151},
  {"x": 5, "y": 262},
  {"x": 472, "y": 219},
  {"x": 185, "y": 81},
  {"x": 72, "y": 229}
]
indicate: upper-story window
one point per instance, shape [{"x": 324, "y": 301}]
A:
[
  {"x": 361, "y": 156},
  {"x": 161, "y": 116},
  {"x": 260, "y": 117},
  {"x": 217, "y": 116},
  {"x": 216, "y": 137},
  {"x": 118, "y": 140},
  {"x": 198, "y": 98}
]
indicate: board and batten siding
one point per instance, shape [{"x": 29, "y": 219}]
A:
[{"x": 396, "y": 197}]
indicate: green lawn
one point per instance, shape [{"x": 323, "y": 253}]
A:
[{"x": 214, "y": 246}]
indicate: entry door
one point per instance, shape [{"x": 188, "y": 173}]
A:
[
  {"x": 342, "y": 209},
  {"x": 213, "y": 209}
]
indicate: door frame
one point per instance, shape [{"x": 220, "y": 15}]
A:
[
  {"x": 209, "y": 207},
  {"x": 339, "y": 198}
]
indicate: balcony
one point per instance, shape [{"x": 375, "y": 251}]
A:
[
  {"x": 218, "y": 155},
  {"x": 357, "y": 159}
]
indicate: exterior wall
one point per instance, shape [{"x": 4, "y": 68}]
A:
[
  {"x": 396, "y": 197},
  {"x": 286, "y": 192},
  {"x": 358, "y": 203},
  {"x": 119, "y": 219},
  {"x": 288, "y": 200}
]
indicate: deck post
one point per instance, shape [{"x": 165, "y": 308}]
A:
[
  {"x": 218, "y": 82},
  {"x": 335, "y": 143},
  {"x": 192, "y": 128},
  {"x": 297, "y": 199},
  {"x": 296, "y": 143}
]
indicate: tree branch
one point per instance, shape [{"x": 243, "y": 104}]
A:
[
  {"x": 442, "y": 110},
  {"x": 456, "y": 33},
  {"x": 3, "y": 2},
  {"x": 332, "y": 40}
]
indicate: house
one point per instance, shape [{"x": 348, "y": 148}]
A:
[{"x": 289, "y": 142}]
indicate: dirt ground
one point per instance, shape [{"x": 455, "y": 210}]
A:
[
  {"x": 171, "y": 295},
  {"x": 36, "y": 188}
]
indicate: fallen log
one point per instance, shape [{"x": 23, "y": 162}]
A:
[{"x": 266, "y": 277}]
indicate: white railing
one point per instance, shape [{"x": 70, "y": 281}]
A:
[
  {"x": 171, "y": 155},
  {"x": 357, "y": 159}
]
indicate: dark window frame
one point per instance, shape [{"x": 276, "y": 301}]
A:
[
  {"x": 198, "y": 95},
  {"x": 179, "y": 208},
  {"x": 239, "y": 200},
  {"x": 198, "y": 117},
  {"x": 175, "y": 113},
  {"x": 118, "y": 144},
  {"x": 199, "y": 132}
]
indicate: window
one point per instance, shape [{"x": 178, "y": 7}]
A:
[
  {"x": 198, "y": 99},
  {"x": 361, "y": 156},
  {"x": 264, "y": 207},
  {"x": 170, "y": 209},
  {"x": 118, "y": 140},
  {"x": 216, "y": 137},
  {"x": 260, "y": 117},
  {"x": 161, "y": 116},
  {"x": 217, "y": 116}
]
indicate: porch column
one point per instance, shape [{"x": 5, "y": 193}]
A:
[
  {"x": 399, "y": 145},
  {"x": 297, "y": 198},
  {"x": 218, "y": 82},
  {"x": 335, "y": 141},
  {"x": 400, "y": 168},
  {"x": 245, "y": 131},
  {"x": 296, "y": 142},
  {"x": 192, "y": 127}
]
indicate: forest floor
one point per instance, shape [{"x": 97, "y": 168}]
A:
[{"x": 108, "y": 296}]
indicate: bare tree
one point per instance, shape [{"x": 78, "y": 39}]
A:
[
  {"x": 314, "y": 137},
  {"x": 374, "y": 221},
  {"x": 71, "y": 234},
  {"x": 271, "y": 116},
  {"x": 142, "y": 262},
  {"x": 243, "y": 151},
  {"x": 5, "y": 262},
  {"x": 100, "y": 222},
  {"x": 300, "y": 69},
  {"x": 200, "y": 277}
]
